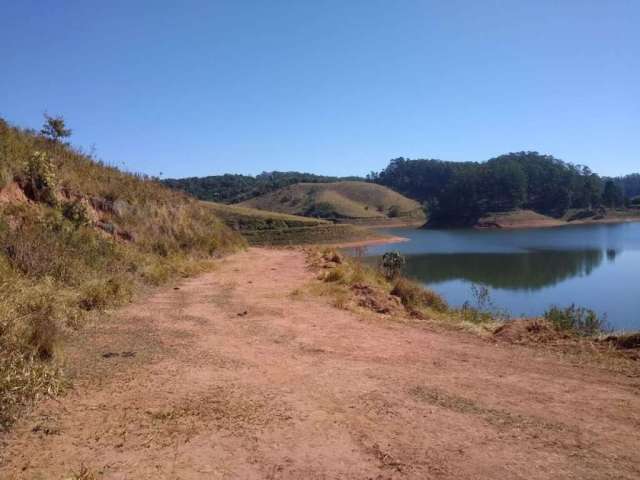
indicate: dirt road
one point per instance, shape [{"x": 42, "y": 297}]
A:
[{"x": 230, "y": 376}]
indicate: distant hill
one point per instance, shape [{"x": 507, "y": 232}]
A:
[
  {"x": 461, "y": 193},
  {"x": 350, "y": 202},
  {"x": 261, "y": 227},
  {"x": 238, "y": 188}
]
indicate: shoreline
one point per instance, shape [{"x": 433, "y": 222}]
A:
[
  {"x": 559, "y": 224},
  {"x": 415, "y": 224},
  {"x": 367, "y": 243}
]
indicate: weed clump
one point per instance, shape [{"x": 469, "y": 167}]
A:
[
  {"x": 415, "y": 297},
  {"x": 579, "y": 320}
]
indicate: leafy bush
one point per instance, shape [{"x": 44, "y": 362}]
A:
[
  {"x": 391, "y": 264},
  {"x": 39, "y": 180},
  {"x": 579, "y": 320},
  {"x": 321, "y": 210},
  {"x": 76, "y": 212}
]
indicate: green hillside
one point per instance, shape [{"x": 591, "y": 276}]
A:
[{"x": 357, "y": 202}]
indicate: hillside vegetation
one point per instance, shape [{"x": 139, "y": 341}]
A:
[
  {"x": 460, "y": 193},
  {"x": 77, "y": 237},
  {"x": 357, "y": 202},
  {"x": 231, "y": 188}
]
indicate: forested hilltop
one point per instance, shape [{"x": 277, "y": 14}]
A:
[
  {"x": 239, "y": 188},
  {"x": 462, "y": 192}
]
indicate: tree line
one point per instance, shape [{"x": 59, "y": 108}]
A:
[
  {"x": 230, "y": 188},
  {"x": 462, "y": 192}
]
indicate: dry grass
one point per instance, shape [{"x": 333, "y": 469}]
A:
[
  {"x": 84, "y": 473},
  {"x": 339, "y": 200},
  {"x": 350, "y": 283},
  {"x": 87, "y": 239},
  {"x": 415, "y": 297}
]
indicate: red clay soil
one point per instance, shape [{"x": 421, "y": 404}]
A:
[{"x": 230, "y": 376}]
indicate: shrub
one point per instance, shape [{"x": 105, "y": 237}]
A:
[
  {"x": 39, "y": 180},
  {"x": 321, "y": 210},
  {"x": 391, "y": 264},
  {"x": 414, "y": 297},
  {"x": 76, "y": 212},
  {"x": 579, "y": 320}
]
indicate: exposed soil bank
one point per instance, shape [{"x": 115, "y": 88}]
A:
[
  {"x": 530, "y": 219},
  {"x": 234, "y": 374}
]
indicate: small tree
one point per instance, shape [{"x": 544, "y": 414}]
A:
[
  {"x": 54, "y": 128},
  {"x": 391, "y": 264}
]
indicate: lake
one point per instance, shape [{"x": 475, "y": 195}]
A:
[{"x": 527, "y": 271}]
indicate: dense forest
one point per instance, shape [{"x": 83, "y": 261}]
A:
[
  {"x": 238, "y": 188},
  {"x": 630, "y": 185},
  {"x": 461, "y": 192}
]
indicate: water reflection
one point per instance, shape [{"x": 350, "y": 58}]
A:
[
  {"x": 595, "y": 266},
  {"x": 510, "y": 271}
]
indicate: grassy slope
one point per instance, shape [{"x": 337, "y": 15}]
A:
[
  {"x": 262, "y": 227},
  {"x": 344, "y": 201},
  {"x": 77, "y": 237}
]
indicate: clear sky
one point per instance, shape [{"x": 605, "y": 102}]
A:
[{"x": 334, "y": 87}]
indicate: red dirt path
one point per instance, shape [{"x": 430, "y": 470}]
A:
[{"x": 192, "y": 387}]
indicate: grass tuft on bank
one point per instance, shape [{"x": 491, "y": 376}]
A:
[{"x": 355, "y": 285}]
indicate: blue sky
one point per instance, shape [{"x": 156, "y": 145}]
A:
[{"x": 335, "y": 87}]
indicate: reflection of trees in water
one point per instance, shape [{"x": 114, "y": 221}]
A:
[{"x": 512, "y": 271}]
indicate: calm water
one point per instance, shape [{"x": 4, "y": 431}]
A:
[{"x": 526, "y": 271}]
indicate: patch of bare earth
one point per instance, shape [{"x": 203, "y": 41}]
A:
[{"x": 231, "y": 376}]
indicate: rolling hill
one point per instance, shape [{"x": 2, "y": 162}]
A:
[
  {"x": 261, "y": 227},
  {"x": 343, "y": 202},
  {"x": 233, "y": 188}
]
